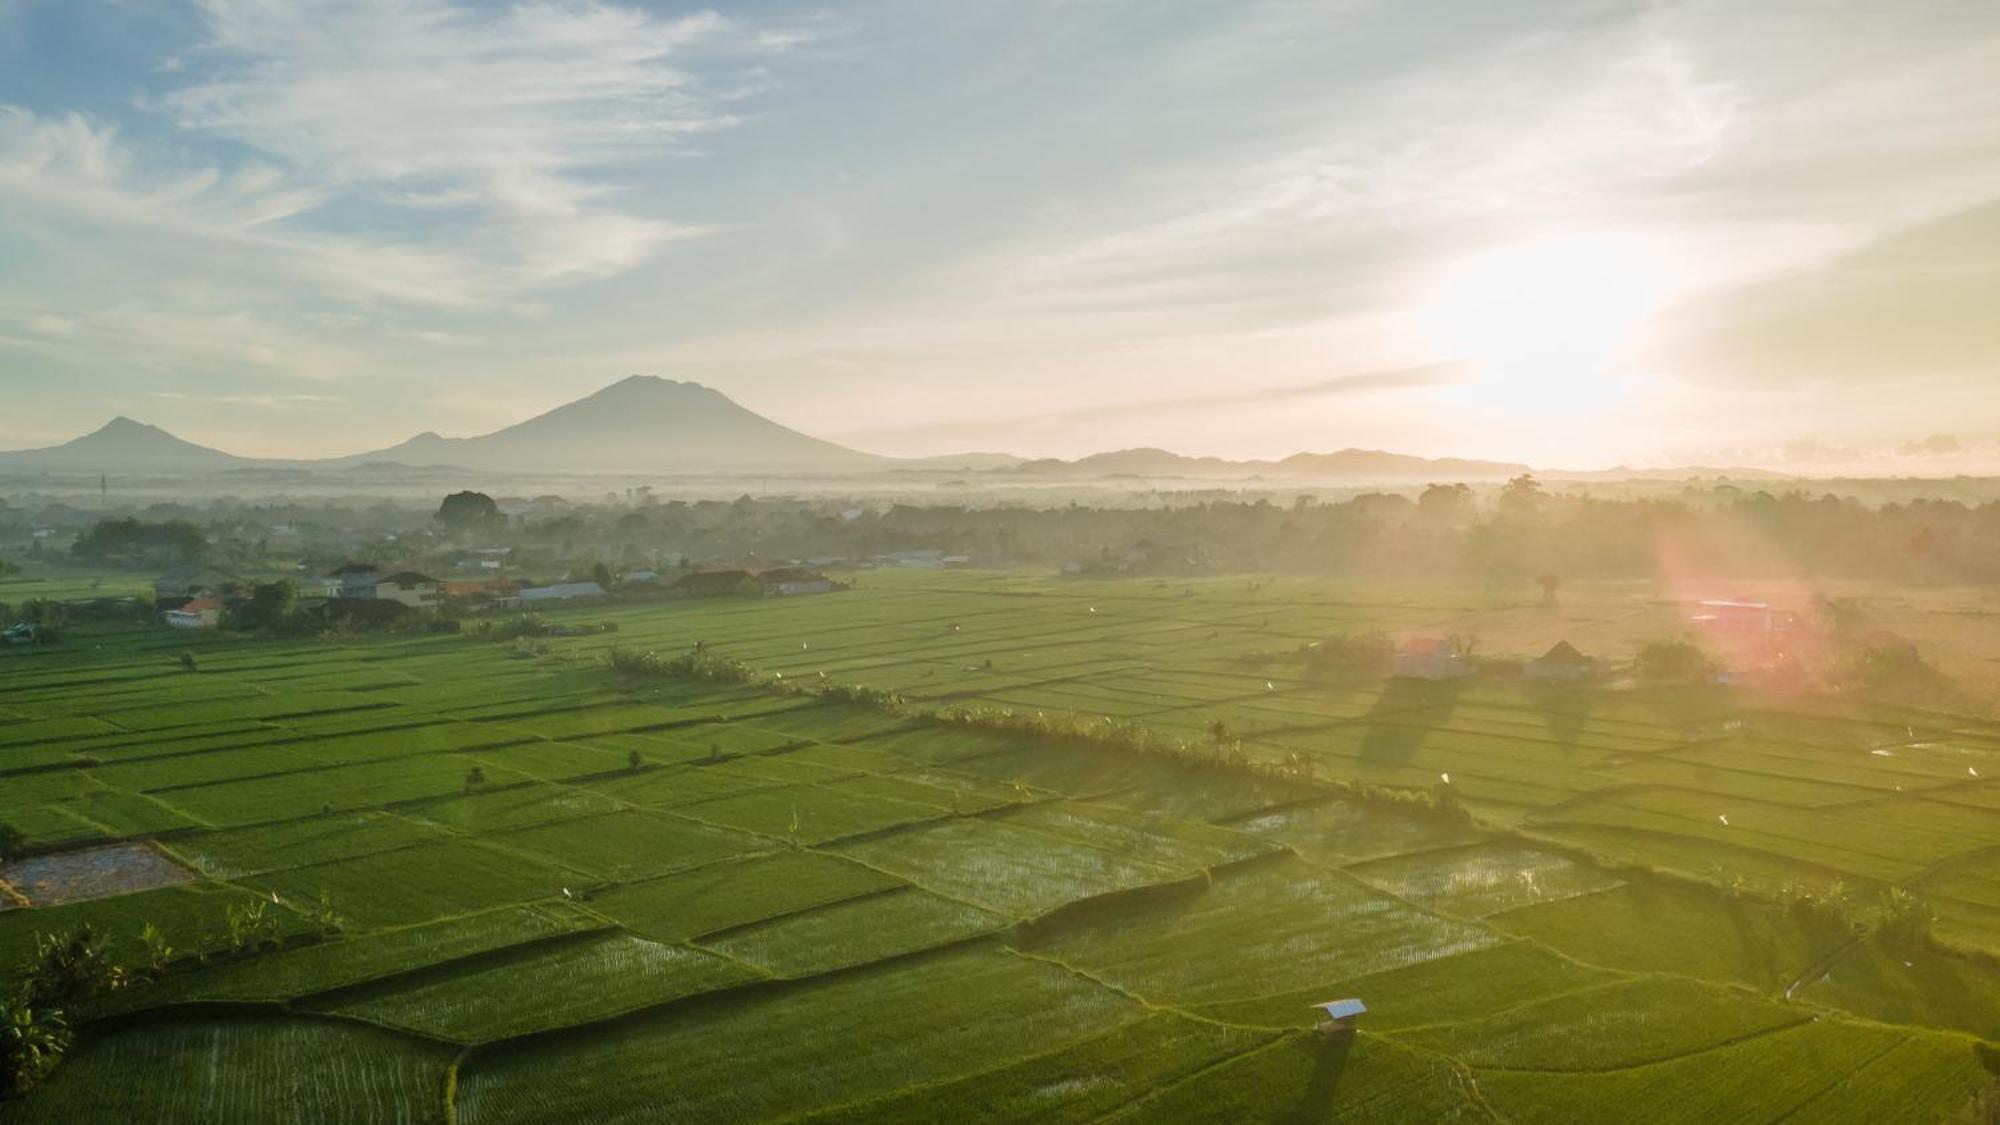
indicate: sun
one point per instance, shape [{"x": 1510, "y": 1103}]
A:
[{"x": 1551, "y": 322}]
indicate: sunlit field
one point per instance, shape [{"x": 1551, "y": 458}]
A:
[{"x": 444, "y": 878}]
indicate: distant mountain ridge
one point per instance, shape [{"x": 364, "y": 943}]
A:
[
  {"x": 1345, "y": 464},
  {"x": 639, "y": 424},
  {"x": 122, "y": 445},
  {"x": 648, "y": 425}
]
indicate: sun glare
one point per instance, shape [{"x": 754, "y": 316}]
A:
[{"x": 1551, "y": 322}]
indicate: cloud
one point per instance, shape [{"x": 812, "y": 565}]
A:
[
  {"x": 1915, "y": 303},
  {"x": 411, "y": 151},
  {"x": 1426, "y": 375},
  {"x": 262, "y": 402},
  {"x": 516, "y": 115}
]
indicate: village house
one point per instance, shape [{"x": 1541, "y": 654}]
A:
[
  {"x": 418, "y": 591},
  {"x": 201, "y": 613},
  {"x": 562, "y": 592},
  {"x": 1563, "y": 663},
  {"x": 1730, "y": 615},
  {"x": 178, "y": 586},
  {"x": 352, "y": 580},
  {"x": 500, "y": 591},
  {"x": 712, "y": 584},
  {"x": 791, "y": 581},
  {"x": 1431, "y": 658}
]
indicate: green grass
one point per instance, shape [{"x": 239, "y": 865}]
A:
[
  {"x": 736, "y": 893},
  {"x": 1305, "y": 1078},
  {"x": 1268, "y": 930},
  {"x": 280, "y": 1072},
  {"x": 1625, "y": 1023},
  {"x": 630, "y": 844},
  {"x": 1911, "y": 986},
  {"x": 769, "y": 1055},
  {"x": 352, "y": 960},
  {"x": 1015, "y": 871},
  {"x": 1073, "y": 1083},
  {"x": 792, "y": 907},
  {"x": 233, "y": 853},
  {"x": 854, "y": 932},
  {"x": 592, "y": 980},
  {"x": 1813, "y": 1071},
  {"x": 1443, "y": 990},
  {"x": 1484, "y": 879},
  {"x": 419, "y": 883},
  {"x": 1729, "y": 940}
]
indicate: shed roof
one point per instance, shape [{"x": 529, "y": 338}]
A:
[
  {"x": 563, "y": 590},
  {"x": 1563, "y": 653},
  {"x": 407, "y": 579},
  {"x": 1342, "y": 1009}
]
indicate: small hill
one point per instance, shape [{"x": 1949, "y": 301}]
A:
[{"x": 123, "y": 446}]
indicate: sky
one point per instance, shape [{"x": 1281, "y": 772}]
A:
[{"x": 1576, "y": 234}]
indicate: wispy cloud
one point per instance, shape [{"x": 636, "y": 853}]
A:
[
  {"x": 474, "y": 155},
  {"x": 263, "y": 402},
  {"x": 512, "y": 115},
  {"x": 1425, "y": 375}
]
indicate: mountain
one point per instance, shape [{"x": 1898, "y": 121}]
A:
[
  {"x": 124, "y": 446},
  {"x": 643, "y": 424},
  {"x": 1345, "y": 465}
]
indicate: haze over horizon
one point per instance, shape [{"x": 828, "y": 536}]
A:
[{"x": 1567, "y": 234}]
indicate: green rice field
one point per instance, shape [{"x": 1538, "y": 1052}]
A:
[{"x": 431, "y": 879}]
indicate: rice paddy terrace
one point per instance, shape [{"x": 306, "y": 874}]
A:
[{"x": 443, "y": 879}]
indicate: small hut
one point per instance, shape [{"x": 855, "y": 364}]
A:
[
  {"x": 1340, "y": 1016},
  {"x": 1563, "y": 662},
  {"x": 1431, "y": 658}
]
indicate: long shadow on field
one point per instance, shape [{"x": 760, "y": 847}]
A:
[
  {"x": 1394, "y": 733},
  {"x": 1329, "y": 1063},
  {"x": 1564, "y": 709}
]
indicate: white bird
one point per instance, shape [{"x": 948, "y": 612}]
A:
[
  {"x": 1269, "y": 686},
  {"x": 1972, "y": 771},
  {"x": 1093, "y": 609},
  {"x": 1723, "y": 819},
  {"x": 803, "y": 645},
  {"x": 1446, "y": 777}
]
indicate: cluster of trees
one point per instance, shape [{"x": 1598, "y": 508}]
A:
[
  {"x": 132, "y": 542},
  {"x": 40, "y": 1008},
  {"x": 1523, "y": 532}
]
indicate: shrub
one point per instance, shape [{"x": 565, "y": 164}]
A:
[
  {"x": 698, "y": 663},
  {"x": 1673, "y": 661},
  {"x": 861, "y": 694},
  {"x": 1903, "y": 920}
]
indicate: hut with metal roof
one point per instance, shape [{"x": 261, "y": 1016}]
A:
[{"x": 1339, "y": 1016}]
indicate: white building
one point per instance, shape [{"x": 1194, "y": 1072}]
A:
[
  {"x": 418, "y": 591},
  {"x": 201, "y": 613}
]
